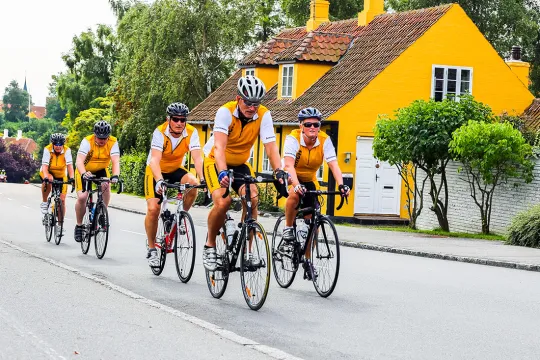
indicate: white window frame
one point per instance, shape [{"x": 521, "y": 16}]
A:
[
  {"x": 266, "y": 167},
  {"x": 250, "y": 160},
  {"x": 445, "y": 80},
  {"x": 250, "y": 72},
  {"x": 287, "y": 77}
]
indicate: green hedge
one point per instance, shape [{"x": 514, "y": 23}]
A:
[
  {"x": 525, "y": 228},
  {"x": 132, "y": 167}
]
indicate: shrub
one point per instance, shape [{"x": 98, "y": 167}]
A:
[
  {"x": 267, "y": 198},
  {"x": 132, "y": 167},
  {"x": 525, "y": 228}
]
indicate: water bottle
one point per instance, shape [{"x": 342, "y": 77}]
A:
[
  {"x": 302, "y": 229},
  {"x": 230, "y": 229}
]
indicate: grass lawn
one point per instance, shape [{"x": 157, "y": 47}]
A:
[{"x": 440, "y": 233}]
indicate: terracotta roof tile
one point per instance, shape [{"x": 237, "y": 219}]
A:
[
  {"x": 532, "y": 115},
  {"x": 28, "y": 145},
  {"x": 317, "y": 46},
  {"x": 343, "y": 27}
]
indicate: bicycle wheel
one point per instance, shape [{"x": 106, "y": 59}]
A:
[
  {"x": 325, "y": 257},
  {"x": 58, "y": 221},
  {"x": 283, "y": 256},
  {"x": 161, "y": 245},
  {"x": 184, "y": 247},
  {"x": 87, "y": 231},
  {"x": 217, "y": 280},
  {"x": 255, "y": 273},
  {"x": 101, "y": 230},
  {"x": 48, "y": 223}
]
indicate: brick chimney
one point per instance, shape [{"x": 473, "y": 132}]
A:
[
  {"x": 319, "y": 12},
  {"x": 519, "y": 67},
  {"x": 372, "y": 8}
]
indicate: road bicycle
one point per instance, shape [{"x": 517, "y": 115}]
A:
[
  {"x": 96, "y": 217},
  {"x": 250, "y": 245},
  {"x": 176, "y": 233},
  {"x": 318, "y": 251},
  {"x": 53, "y": 220}
]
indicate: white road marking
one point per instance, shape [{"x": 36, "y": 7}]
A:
[
  {"x": 28, "y": 207},
  {"x": 9, "y": 198},
  {"x": 229, "y": 335},
  {"x": 133, "y": 232}
]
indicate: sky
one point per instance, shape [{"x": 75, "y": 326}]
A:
[{"x": 35, "y": 33}]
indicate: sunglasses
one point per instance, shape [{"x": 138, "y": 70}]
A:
[
  {"x": 249, "y": 103},
  {"x": 58, "y": 144},
  {"x": 177, "y": 119},
  {"x": 310, "y": 124}
]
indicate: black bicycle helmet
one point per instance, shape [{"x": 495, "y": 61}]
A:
[
  {"x": 58, "y": 139},
  {"x": 251, "y": 89},
  {"x": 102, "y": 129},
  {"x": 177, "y": 109},
  {"x": 308, "y": 113}
]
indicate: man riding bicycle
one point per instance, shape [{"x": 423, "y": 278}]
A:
[
  {"x": 170, "y": 142},
  {"x": 95, "y": 154},
  {"x": 237, "y": 126},
  {"x": 304, "y": 151},
  {"x": 56, "y": 159}
]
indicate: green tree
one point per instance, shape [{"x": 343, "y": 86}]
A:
[
  {"x": 503, "y": 22},
  {"x": 297, "y": 11},
  {"x": 268, "y": 19},
  {"x": 174, "y": 51},
  {"x": 120, "y": 7},
  {"x": 15, "y": 102},
  {"x": 84, "y": 123},
  {"x": 52, "y": 104},
  {"x": 428, "y": 128},
  {"x": 390, "y": 135},
  {"x": 90, "y": 66},
  {"x": 491, "y": 154}
]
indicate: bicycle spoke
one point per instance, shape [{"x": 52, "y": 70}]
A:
[
  {"x": 325, "y": 258},
  {"x": 255, "y": 272}
]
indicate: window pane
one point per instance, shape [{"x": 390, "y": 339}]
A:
[
  {"x": 451, "y": 87},
  {"x": 465, "y": 75},
  {"x": 439, "y": 85},
  {"x": 452, "y": 74},
  {"x": 439, "y": 73},
  {"x": 438, "y": 96},
  {"x": 464, "y": 87}
]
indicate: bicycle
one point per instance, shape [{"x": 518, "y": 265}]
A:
[
  {"x": 54, "y": 218},
  {"x": 251, "y": 239},
  {"x": 167, "y": 239},
  {"x": 96, "y": 217},
  {"x": 322, "y": 241}
]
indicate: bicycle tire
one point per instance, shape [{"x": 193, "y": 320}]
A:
[
  {"x": 58, "y": 225},
  {"x": 101, "y": 227},
  {"x": 253, "y": 276},
  {"x": 323, "y": 251},
  {"x": 185, "y": 247},
  {"x": 87, "y": 232},
  {"x": 282, "y": 259},
  {"x": 218, "y": 280},
  {"x": 48, "y": 223},
  {"x": 162, "y": 248}
]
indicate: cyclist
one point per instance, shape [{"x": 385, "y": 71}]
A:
[
  {"x": 54, "y": 163},
  {"x": 304, "y": 151},
  {"x": 95, "y": 154},
  {"x": 170, "y": 142},
  {"x": 237, "y": 126}
]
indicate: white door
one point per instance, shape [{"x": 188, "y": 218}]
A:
[{"x": 377, "y": 185}]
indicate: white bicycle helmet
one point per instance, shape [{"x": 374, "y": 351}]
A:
[
  {"x": 251, "y": 89},
  {"x": 308, "y": 113},
  {"x": 177, "y": 109}
]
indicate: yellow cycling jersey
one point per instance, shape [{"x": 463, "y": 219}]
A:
[
  {"x": 99, "y": 157},
  {"x": 240, "y": 138},
  {"x": 57, "y": 163},
  {"x": 307, "y": 162},
  {"x": 171, "y": 159}
]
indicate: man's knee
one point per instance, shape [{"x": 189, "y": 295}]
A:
[
  {"x": 220, "y": 203},
  {"x": 153, "y": 210},
  {"x": 82, "y": 196}
]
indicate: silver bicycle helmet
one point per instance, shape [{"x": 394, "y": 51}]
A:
[
  {"x": 177, "y": 109},
  {"x": 251, "y": 89},
  {"x": 102, "y": 129},
  {"x": 308, "y": 113},
  {"x": 58, "y": 139}
]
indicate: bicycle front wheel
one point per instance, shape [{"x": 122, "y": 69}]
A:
[
  {"x": 101, "y": 230},
  {"x": 325, "y": 257},
  {"x": 161, "y": 245},
  {"x": 48, "y": 223},
  {"x": 217, "y": 280},
  {"x": 283, "y": 256},
  {"x": 87, "y": 231},
  {"x": 255, "y": 266},
  {"x": 58, "y": 222},
  {"x": 184, "y": 247}
]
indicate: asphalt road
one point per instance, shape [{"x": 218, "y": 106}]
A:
[{"x": 385, "y": 306}]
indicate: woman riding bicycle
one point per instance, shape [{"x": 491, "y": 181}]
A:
[{"x": 304, "y": 151}]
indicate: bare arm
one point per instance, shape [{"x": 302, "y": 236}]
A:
[
  {"x": 155, "y": 159},
  {"x": 115, "y": 164},
  {"x": 196, "y": 155},
  {"x": 79, "y": 163},
  {"x": 220, "y": 143},
  {"x": 273, "y": 155},
  {"x": 70, "y": 171},
  {"x": 336, "y": 171},
  {"x": 289, "y": 167}
]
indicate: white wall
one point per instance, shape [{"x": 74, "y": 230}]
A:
[{"x": 464, "y": 214}]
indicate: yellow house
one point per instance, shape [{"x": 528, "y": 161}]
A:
[{"x": 355, "y": 70}]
